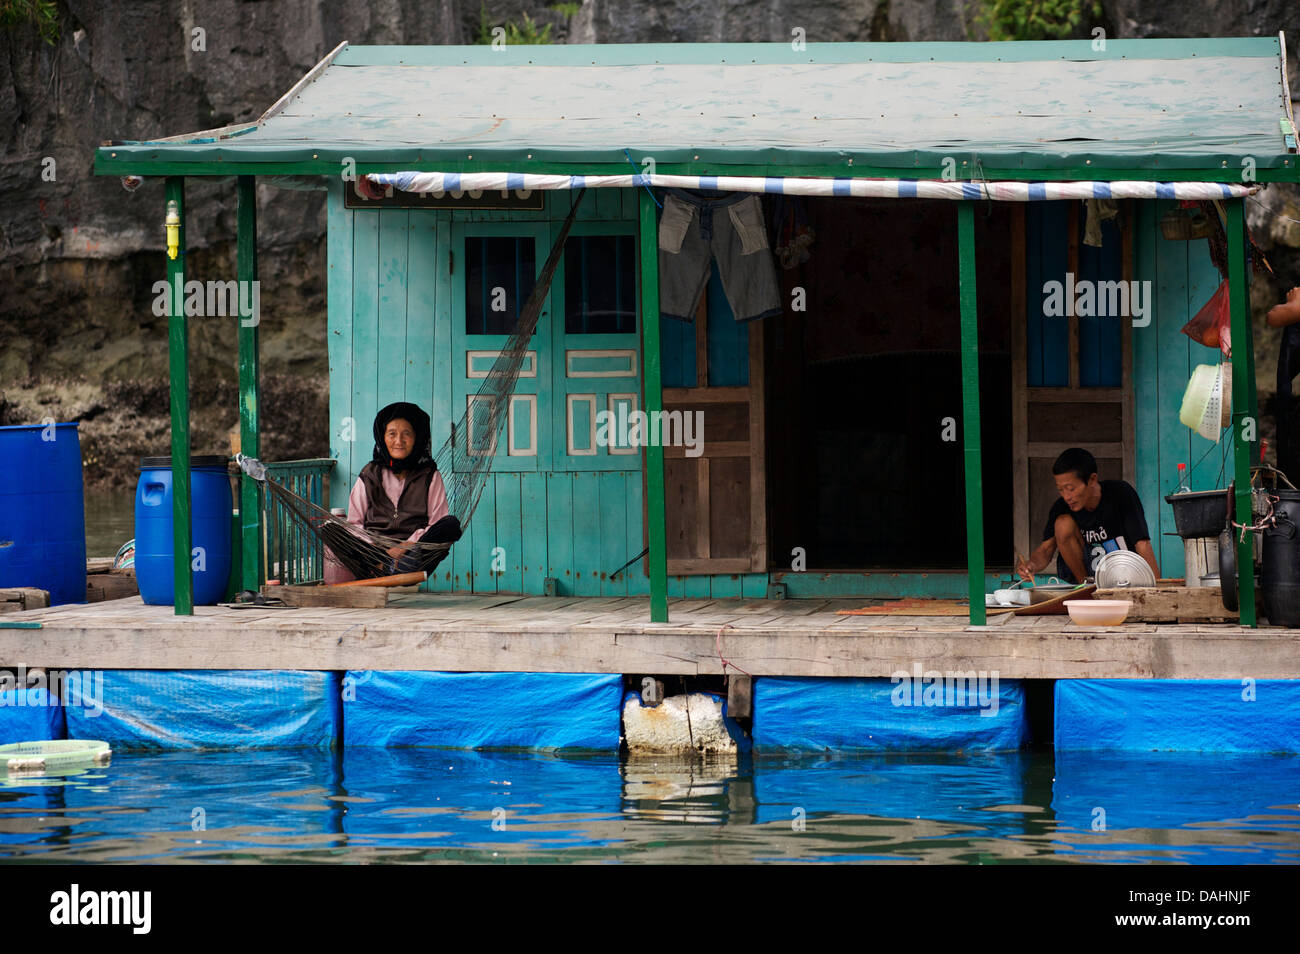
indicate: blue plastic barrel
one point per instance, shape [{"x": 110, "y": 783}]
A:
[
  {"x": 42, "y": 511},
  {"x": 210, "y": 507}
]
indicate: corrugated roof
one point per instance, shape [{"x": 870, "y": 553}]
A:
[{"x": 1152, "y": 105}]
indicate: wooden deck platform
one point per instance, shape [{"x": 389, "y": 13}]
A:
[{"x": 453, "y": 632}]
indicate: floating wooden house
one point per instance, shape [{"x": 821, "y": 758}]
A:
[{"x": 891, "y": 431}]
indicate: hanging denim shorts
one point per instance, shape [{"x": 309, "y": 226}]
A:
[{"x": 694, "y": 230}]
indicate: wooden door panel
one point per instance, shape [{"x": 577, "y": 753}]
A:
[{"x": 715, "y": 493}]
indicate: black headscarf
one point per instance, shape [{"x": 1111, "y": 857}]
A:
[{"x": 419, "y": 422}]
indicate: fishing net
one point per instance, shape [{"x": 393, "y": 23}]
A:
[{"x": 463, "y": 461}]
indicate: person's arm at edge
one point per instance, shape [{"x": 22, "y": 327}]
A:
[
  {"x": 1140, "y": 533},
  {"x": 1146, "y": 552},
  {"x": 1038, "y": 559},
  {"x": 1287, "y": 313}
]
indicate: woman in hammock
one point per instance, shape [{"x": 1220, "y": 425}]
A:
[{"x": 400, "y": 495}]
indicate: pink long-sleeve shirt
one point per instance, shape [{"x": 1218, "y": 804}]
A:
[{"x": 359, "y": 501}]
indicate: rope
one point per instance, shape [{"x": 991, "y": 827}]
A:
[
  {"x": 1272, "y": 211},
  {"x": 717, "y": 645}
]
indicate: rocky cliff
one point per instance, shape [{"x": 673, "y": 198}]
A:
[{"x": 79, "y": 254}]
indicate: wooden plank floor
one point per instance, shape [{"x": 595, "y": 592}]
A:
[{"x": 464, "y": 632}]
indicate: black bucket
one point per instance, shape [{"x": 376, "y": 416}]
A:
[{"x": 1280, "y": 574}]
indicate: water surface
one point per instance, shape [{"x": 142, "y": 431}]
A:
[{"x": 417, "y": 805}]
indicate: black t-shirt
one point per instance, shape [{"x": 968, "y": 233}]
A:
[{"x": 1118, "y": 523}]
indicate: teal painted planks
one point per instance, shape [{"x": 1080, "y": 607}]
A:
[
  {"x": 365, "y": 338},
  {"x": 443, "y": 412},
  {"x": 638, "y": 580},
  {"x": 613, "y": 552},
  {"x": 483, "y": 531},
  {"x": 509, "y": 535},
  {"x": 339, "y": 324},
  {"x": 532, "y": 493},
  {"x": 725, "y": 587},
  {"x": 421, "y": 307},
  {"x": 586, "y": 534},
  {"x": 1101, "y": 336},
  {"x": 559, "y": 530},
  {"x": 1175, "y": 359},
  {"x": 1183, "y": 280},
  {"x": 753, "y": 586},
  {"x": 697, "y": 587},
  {"x": 394, "y": 238},
  {"x": 1046, "y": 259},
  {"x": 1209, "y": 467}
]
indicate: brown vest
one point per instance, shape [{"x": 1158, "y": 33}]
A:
[{"x": 412, "y": 511}]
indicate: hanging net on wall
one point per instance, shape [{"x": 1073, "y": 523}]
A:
[{"x": 463, "y": 461}]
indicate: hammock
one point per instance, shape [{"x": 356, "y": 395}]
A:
[{"x": 463, "y": 461}]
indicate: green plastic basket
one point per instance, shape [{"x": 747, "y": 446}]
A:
[{"x": 53, "y": 755}]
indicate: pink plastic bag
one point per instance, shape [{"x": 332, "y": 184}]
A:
[{"x": 1212, "y": 325}]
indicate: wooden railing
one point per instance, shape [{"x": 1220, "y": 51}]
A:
[{"x": 293, "y": 555}]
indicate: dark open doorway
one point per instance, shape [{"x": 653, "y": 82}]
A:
[{"x": 860, "y": 385}]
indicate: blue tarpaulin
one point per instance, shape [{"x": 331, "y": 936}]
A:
[
  {"x": 1188, "y": 715},
  {"x": 470, "y": 710},
  {"x": 30, "y": 715},
  {"x": 208, "y": 709},
  {"x": 797, "y": 714}
]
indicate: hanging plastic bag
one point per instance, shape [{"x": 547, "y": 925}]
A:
[{"x": 1212, "y": 325}]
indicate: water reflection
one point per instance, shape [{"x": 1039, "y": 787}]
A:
[{"x": 396, "y": 805}]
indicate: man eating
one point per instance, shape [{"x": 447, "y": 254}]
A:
[{"x": 1091, "y": 518}]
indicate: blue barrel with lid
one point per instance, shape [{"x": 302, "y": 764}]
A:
[
  {"x": 43, "y": 511},
  {"x": 210, "y": 506}
]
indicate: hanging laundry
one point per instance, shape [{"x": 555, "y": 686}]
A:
[
  {"x": 699, "y": 227},
  {"x": 1099, "y": 211},
  {"x": 794, "y": 236}
]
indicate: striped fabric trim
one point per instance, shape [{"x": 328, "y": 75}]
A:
[{"x": 439, "y": 183}]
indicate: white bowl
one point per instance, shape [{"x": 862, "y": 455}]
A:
[{"x": 1098, "y": 612}]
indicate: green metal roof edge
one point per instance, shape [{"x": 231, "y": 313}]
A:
[
  {"x": 640, "y": 54},
  {"x": 1287, "y": 169}
]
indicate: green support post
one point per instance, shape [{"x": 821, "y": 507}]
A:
[
  {"x": 970, "y": 399},
  {"x": 654, "y": 402},
  {"x": 1245, "y": 420},
  {"x": 250, "y": 513},
  {"x": 178, "y": 358}
]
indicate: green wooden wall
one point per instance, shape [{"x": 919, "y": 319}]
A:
[
  {"x": 1183, "y": 279},
  {"x": 391, "y": 326}
]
